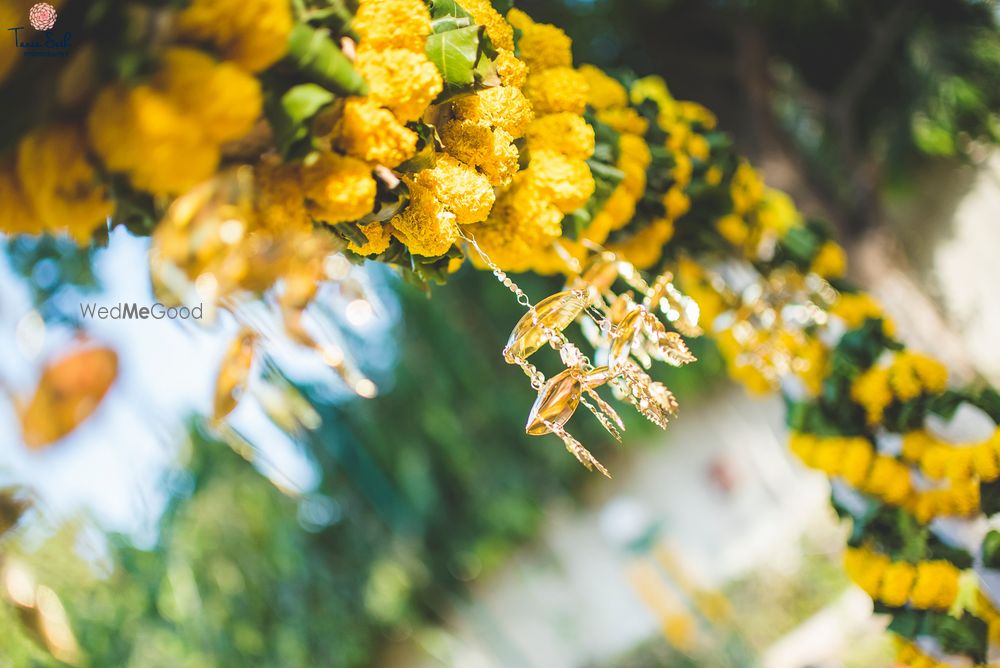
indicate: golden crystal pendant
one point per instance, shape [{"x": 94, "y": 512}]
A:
[{"x": 618, "y": 327}]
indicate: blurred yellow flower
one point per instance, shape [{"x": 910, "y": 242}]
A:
[
  {"x": 604, "y": 91},
  {"x": 16, "y": 216},
  {"x": 557, "y": 89},
  {"x": 393, "y": 24},
  {"x": 138, "y": 132},
  {"x": 830, "y": 261},
  {"x": 65, "y": 192},
  {"x": 252, "y": 33},
  {"x": 338, "y": 188},
  {"x": 566, "y": 182},
  {"x": 278, "y": 197},
  {"x": 542, "y": 46},
  {"x": 564, "y": 132},
  {"x": 624, "y": 119},
  {"x": 222, "y": 98}
]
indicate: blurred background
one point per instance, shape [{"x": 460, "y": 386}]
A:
[{"x": 422, "y": 527}]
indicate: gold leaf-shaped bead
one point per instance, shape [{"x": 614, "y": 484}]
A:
[
  {"x": 234, "y": 373},
  {"x": 68, "y": 392},
  {"x": 624, "y": 335},
  {"x": 557, "y": 401},
  {"x": 553, "y": 313}
]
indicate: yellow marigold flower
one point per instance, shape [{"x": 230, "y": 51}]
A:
[
  {"x": 462, "y": 190},
  {"x": 713, "y": 176},
  {"x": 500, "y": 32},
  {"x": 338, "y": 188},
  {"x": 512, "y": 71},
  {"x": 367, "y": 131},
  {"x": 910, "y": 373},
  {"x": 404, "y": 81},
  {"x": 777, "y": 212},
  {"x": 599, "y": 228},
  {"x": 696, "y": 113},
  {"x": 16, "y": 216},
  {"x": 856, "y": 459},
  {"x": 697, "y": 147},
  {"x": 866, "y": 569},
  {"x": 634, "y": 148},
  {"x": 733, "y": 229},
  {"x": 830, "y": 261},
  {"x": 634, "y": 181},
  {"x": 492, "y": 151},
  {"x": 378, "y": 236},
  {"x": 500, "y": 106},
  {"x": 889, "y": 480},
  {"x": 682, "y": 170},
  {"x": 557, "y": 89},
  {"x": 645, "y": 248},
  {"x": 542, "y": 46},
  {"x": 855, "y": 308},
  {"x": 985, "y": 461},
  {"x": 604, "y": 91},
  {"x": 253, "y": 33},
  {"x": 624, "y": 119},
  {"x": 551, "y": 261},
  {"x": 566, "y": 182},
  {"x": 223, "y": 99},
  {"x": 424, "y": 226},
  {"x": 393, "y": 24},
  {"x": 65, "y": 192},
  {"x": 871, "y": 390},
  {"x": 932, "y": 373},
  {"x": 564, "y": 133},
  {"x": 747, "y": 188},
  {"x": 139, "y": 133},
  {"x": 896, "y": 584},
  {"x": 651, "y": 88},
  {"x": 676, "y": 202},
  {"x": 936, "y": 585},
  {"x": 619, "y": 208},
  {"x": 278, "y": 197},
  {"x": 522, "y": 223}
]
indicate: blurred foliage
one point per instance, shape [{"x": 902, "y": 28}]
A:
[
  {"x": 50, "y": 267},
  {"x": 869, "y": 91},
  {"x": 420, "y": 491}
]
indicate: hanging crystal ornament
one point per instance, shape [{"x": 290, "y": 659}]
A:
[{"x": 606, "y": 319}]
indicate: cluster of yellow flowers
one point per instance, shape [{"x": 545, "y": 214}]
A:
[
  {"x": 926, "y": 585},
  {"x": 855, "y": 461},
  {"x": 955, "y": 462},
  {"x": 166, "y": 135},
  {"x": 528, "y": 215},
  {"x": 907, "y": 377}
]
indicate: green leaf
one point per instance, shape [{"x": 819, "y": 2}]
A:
[
  {"x": 291, "y": 113},
  {"x": 455, "y": 53},
  {"x": 316, "y": 57},
  {"x": 991, "y": 549}
]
